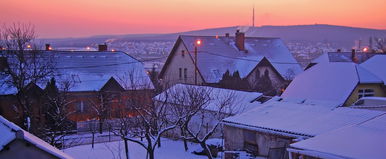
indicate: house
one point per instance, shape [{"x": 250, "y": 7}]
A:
[
  {"x": 17, "y": 143},
  {"x": 270, "y": 128},
  {"x": 362, "y": 140},
  {"x": 341, "y": 82},
  {"x": 213, "y": 99},
  {"x": 248, "y": 58},
  {"x": 89, "y": 75}
]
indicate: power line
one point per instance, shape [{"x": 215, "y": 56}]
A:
[
  {"x": 104, "y": 65},
  {"x": 239, "y": 58}
]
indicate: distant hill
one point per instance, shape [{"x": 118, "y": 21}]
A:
[{"x": 341, "y": 36}]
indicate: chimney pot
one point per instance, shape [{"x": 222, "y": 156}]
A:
[
  {"x": 227, "y": 35},
  {"x": 353, "y": 56},
  {"x": 240, "y": 40},
  {"x": 102, "y": 47},
  {"x": 48, "y": 47}
]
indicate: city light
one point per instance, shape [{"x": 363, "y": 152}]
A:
[{"x": 198, "y": 42}]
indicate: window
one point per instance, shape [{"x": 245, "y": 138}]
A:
[
  {"x": 365, "y": 93},
  {"x": 250, "y": 144},
  {"x": 183, "y": 53},
  {"x": 185, "y": 73},
  {"x": 81, "y": 107},
  {"x": 180, "y": 73}
]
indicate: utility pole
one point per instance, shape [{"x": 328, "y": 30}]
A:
[
  {"x": 198, "y": 43},
  {"x": 195, "y": 65}
]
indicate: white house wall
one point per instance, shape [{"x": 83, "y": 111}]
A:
[{"x": 171, "y": 75}]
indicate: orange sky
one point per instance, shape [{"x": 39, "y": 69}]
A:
[{"x": 76, "y": 18}]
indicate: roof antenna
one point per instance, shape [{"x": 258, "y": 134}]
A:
[{"x": 253, "y": 16}]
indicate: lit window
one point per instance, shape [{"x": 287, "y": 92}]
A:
[{"x": 365, "y": 93}]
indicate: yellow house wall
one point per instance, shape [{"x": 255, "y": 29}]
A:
[{"x": 378, "y": 92}]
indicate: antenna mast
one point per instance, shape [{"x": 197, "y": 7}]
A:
[{"x": 253, "y": 16}]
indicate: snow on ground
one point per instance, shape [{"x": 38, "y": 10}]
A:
[{"x": 170, "y": 149}]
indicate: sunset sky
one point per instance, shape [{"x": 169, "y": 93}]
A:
[{"x": 77, "y": 18}]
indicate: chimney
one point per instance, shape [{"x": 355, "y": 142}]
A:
[
  {"x": 48, "y": 47},
  {"x": 353, "y": 56},
  {"x": 102, "y": 47},
  {"x": 240, "y": 38},
  {"x": 227, "y": 35}
]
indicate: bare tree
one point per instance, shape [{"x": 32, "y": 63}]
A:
[
  {"x": 101, "y": 107},
  {"x": 201, "y": 110},
  {"x": 56, "y": 111},
  {"x": 143, "y": 121},
  {"x": 25, "y": 65}
]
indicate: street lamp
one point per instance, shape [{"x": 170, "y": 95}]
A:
[{"x": 198, "y": 43}]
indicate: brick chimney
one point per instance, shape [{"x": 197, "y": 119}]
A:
[
  {"x": 240, "y": 39},
  {"x": 353, "y": 56},
  {"x": 48, "y": 47},
  {"x": 102, "y": 47}
]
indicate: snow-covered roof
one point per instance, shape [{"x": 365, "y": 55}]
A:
[
  {"x": 362, "y": 140},
  {"x": 342, "y": 57},
  {"x": 90, "y": 70},
  {"x": 8, "y": 132},
  {"x": 241, "y": 101},
  {"x": 296, "y": 119},
  {"x": 218, "y": 54},
  {"x": 330, "y": 81},
  {"x": 376, "y": 65}
]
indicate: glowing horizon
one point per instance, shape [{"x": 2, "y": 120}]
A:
[{"x": 73, "y": 18}]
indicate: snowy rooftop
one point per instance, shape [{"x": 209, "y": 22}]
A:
[
  {"x": 223, "y": 51},
  {"x": 376, "y": 65},
  {"x": 294, "y": 119},
  {"x": 8, "y": 132},
  {"x": 333, "y": 81},
  {"x": 342, "y": 57},
  {"x": 241, "y": 100},
  {"x": 90, "y": 70},
  {"x": 363, "y": 140}
]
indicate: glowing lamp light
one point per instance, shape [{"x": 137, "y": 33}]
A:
[
  {"x": 198, "y": 42},
  {"x": 88, "y": 48},
  {"x": 113, "y": 50},
  {"x": 365, "y": 49},
  {"x": 28, "y": 46},
  {"x": 50, "y": 48}
]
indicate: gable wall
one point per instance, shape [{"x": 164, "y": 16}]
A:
[
  {"x": 171, "y": 75},
  {"x": 378, "y": 92},
  {"x": 276, "y": 79}
]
